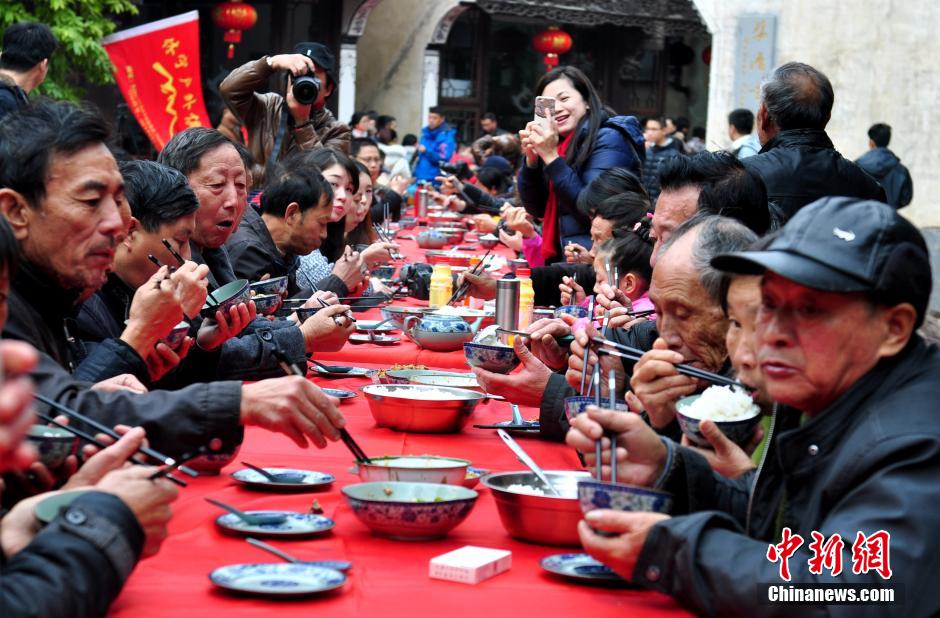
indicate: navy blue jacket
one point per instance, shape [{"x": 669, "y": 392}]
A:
[
  {"x": 619, "y": 143},
  {"x": 885, "y": 167}
]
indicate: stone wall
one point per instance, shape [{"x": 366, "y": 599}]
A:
[
  {"x": 875, "y": 52},
  {"x": 390, "y": 64}
]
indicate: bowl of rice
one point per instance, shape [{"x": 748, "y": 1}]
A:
[
  {"x": 731, "y": 409},
  {"x": 529, "y": 512},
  {"x": 420, "y": 408}
]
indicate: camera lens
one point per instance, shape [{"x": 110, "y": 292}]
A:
[{"x": 306, "y": 89}]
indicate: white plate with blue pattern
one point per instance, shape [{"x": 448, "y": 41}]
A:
[
  {"x": 277, "y": 579},
  {"x": 309, "y": 480},
  {"x": 296, "y": 524},
  {"x": 582, "y": 567}
]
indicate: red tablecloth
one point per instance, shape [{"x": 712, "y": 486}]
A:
[
  {"x": 389, "y": 578},
  {"x": 408, "y": 352}
]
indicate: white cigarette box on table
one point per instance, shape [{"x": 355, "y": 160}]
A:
[{"x": 470, "y": 565}]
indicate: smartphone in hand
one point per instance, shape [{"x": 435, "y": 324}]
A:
[{"x": 544, "y": 111}]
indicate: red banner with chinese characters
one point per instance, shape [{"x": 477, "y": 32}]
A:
[{"x": 157, "y": 68}]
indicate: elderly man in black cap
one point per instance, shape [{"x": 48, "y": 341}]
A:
[
  {"x": 846, "y": 493},
  {"x": 275, "y": 129}
]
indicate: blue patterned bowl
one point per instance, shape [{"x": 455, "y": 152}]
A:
[
  {"x": 228, "y": 296},
  {"x": 577, "y": 405},
  {"x": 431, "y": 240},
  {"x": 305, "y": 312},
  {"x": 398, "y": 314},
  {"x": 274, "y": 285},
  {"x": 576, "y": 310},
  {"x": 622, "y": 497},
  {"x": 53, "y": 443},
  {"x": 488, "y": 241},
  {"x": 495, "y": 358},
  {"x": 212, "y": 463},
  {"x": 266, "y": 304},
  {"x": 740, "y": 432},
  {"x": 383, "y": 272},
  {"x": 175, "y": 336},
  {"x": 410, "y": 511}
]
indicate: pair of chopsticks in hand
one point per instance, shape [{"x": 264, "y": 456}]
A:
[
  {"x": 464, "y": 287},
  {"x": 384, "y": 236},
  {"x": 292, "y": 369},
  {"x": 179, "y": 258},
  {"x": 598, "y": 444},
  {"x": 612, "y": 348},
  {"x": 170, "y": 463}
]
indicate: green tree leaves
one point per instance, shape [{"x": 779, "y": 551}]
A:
[{"x": 79, "y": 25}]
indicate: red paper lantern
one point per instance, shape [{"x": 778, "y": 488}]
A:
[
  {"x": 552, "y": 42},
  {"x": 234, "y": 17}
]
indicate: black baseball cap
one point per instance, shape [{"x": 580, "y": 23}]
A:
[
  {"x": 845, "y": 245},
  {"x": 321, "y": 55}
]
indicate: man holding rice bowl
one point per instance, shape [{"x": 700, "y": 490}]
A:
[{"x": 854, "y": 451}]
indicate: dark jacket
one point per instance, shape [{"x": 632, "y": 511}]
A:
[
  {"x": 655, "y": 156},
  {"x": 253, "y": 253},
  {"x": 619, "y": 143},
  {"x": 249, "y": 356},
  {"x": 885, "y": 167},
  {"x": 101, "y": 320},
  {"x": 176, "y": 421},
  {"x": 385, "y": 199},
  {"x": 481, "y": 201},
  {"x": 12, "y": 97},
  {"x": 800, "y": 166},
  {"x": 545, "y": 281},
  {"x": 869, "y": 462},
  {"x": 439, "y": 146},
  {"x": 261, "y": 113},
  {"x": 553, "y": 422},
  {"x": 76, "y": 565}
]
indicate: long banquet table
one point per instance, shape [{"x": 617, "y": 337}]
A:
[{"x": 389, "y": 578}]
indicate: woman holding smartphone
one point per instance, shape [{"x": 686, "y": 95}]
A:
[{"x": 565, "y": 150}]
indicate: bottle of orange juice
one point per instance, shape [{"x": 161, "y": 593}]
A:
[
  {"x": 526, "y": 297},
  {"x": 441, "y": 285}
]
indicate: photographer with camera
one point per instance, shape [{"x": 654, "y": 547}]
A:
[
  {"x": 276, "y": 129},
  {"x": 437, "y": 145}
]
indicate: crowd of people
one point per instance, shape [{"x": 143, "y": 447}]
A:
[{"x": 779, "y": 263}]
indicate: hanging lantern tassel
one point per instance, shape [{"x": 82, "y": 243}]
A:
[
  {"x": 231, "y": 37},
  {"x": 234, "y": 17},
  {"x": 552, "y": 43}
]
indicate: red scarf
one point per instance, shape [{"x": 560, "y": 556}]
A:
[{"x": 550, "y": 229}]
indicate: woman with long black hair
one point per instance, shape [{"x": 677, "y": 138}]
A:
[{"x": 583, "y": 139}]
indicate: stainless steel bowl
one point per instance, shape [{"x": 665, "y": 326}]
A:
[
  {"x": 545, "y": 520},
  {"x": 394, "y": 406}
]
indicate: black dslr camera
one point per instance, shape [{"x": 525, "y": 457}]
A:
[
  {"x": 460, "y": 169},
  {"x": 417, "y": 279},
  {"x": 306, "y": 89}
]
